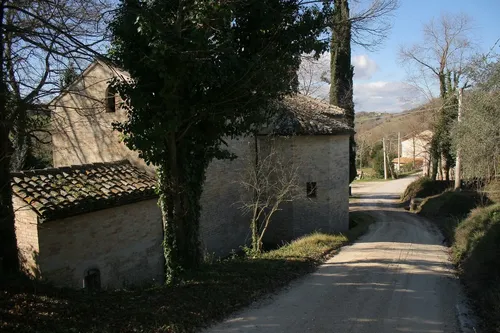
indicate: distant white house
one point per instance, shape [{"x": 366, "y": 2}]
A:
[{"x": 415, "y": 150}]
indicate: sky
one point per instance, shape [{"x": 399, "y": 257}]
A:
[{"x": 381, "y": 81}]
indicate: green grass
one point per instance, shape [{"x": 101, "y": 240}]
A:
[
  {"x": 475, "y": 251},
  {"x": 447, "y": 209},
  {"x": 450, "y": 204},
  {"x": 424, "y": 187},
  {"x": 206, "y": 295}
]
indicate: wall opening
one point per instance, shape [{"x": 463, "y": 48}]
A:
[
  {"x": 110, "y": 99},
  {"x": 311, "y": 189},
  {"x": 92, "y": 280}
]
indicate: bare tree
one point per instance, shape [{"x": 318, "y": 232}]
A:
[
  {"x": 270, "y": 182},
  {"x": 442, "y": 55},
  {"x": 440, "y": 59},
  {"x": 38, "y": 38},
  {"x": 369, "y": 24},
  {"x": 311, "y": 76},
  {"x": 44, "y": 38},
  {"x": 478, "y": 135}
]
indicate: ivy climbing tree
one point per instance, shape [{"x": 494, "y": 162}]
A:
[
  {"x": 200, "y": 72},
  {"x": 367, "y": 28}
]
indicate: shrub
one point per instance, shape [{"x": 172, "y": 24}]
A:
[
  {"x": 450, "y": 204},
  {"x": 424, "y": 187},
  {"x": 476, "y": 251},
  {"x": 493, "y": 191}
]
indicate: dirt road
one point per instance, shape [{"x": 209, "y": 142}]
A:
[{"x": 396, "y": 278}]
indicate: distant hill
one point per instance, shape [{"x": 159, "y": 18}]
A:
[{"x": 373, "y": 126}]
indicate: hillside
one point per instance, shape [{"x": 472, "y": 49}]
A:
[{"x": 372, "y": 126}]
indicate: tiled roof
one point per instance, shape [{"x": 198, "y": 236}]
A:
[
  {"x": 302, "y": 115},
  {"x": 66, "y": 191}
]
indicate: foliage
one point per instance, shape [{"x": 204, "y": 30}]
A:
[
  {"x": 378, "y": 162},
  {"x": 424, "y": 187},
  {"x": 450, "y": 204},
  {"x": 207, "y": 294},
  {"x": 492, "y": 190},
  {"x": 478, "y": 135},
  {"x": 475, "y": 251},
  {"x": 202, "y": 72},
  {"x": 269, "y": 183},
  {"x": 68, "y": 76},
  {"x": 342, "y": 72}
]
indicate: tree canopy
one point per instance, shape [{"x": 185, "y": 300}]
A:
[{"x": 201, "y": 72}]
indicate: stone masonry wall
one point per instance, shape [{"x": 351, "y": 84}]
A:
[
  {"x": 26, "y": 221},
  {"x": 223, "y": 227},
  {"x": 124, "y": 243},
  {"x": 82, "y": 129},
  {"x": 320, "y": 159}
]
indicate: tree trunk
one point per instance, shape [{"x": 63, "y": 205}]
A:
[
  {"x": 9, "y": 259},
  {"x": 21, "y": 141},
  {"x": 341, "y": 84},
  {"x": 179, "y": 202},
  {"x": 434, "y": 156}
]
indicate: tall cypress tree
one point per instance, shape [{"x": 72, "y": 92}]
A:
[{"x": 341, "y": 85}]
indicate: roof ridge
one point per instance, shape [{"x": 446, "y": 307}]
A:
[{"x": 67, "y": 168}]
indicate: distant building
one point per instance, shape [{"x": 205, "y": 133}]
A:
[{"x": 416, "y": 150}]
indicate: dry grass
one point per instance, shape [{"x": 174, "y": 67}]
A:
[{"x": 206, "y": 295}]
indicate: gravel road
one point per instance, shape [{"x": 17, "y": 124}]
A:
[{"x": 396, "y": 278}]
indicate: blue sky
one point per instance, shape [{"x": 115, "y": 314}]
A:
[{"x": 381, "y": 80}]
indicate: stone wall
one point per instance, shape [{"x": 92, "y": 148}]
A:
[
  {"x": 82, "y": 129},
  {"x": 320, "y": 159},
  {"x": 26, "y": 221},
  {"x": 124, "y": 243},
  {"x": 223, "y": 227}
]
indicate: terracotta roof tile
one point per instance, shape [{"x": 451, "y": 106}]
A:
[
  {"x": 303, "y": 115},
  {"x": 61, "y": 192}
]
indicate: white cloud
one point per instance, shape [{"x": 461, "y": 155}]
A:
[
  {"x": 385, "y": 96},
  {"x": 377, "y": 96},
  {"x": 364, "y": 67}
]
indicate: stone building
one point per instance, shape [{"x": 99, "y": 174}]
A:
[
  {"x": 310, "y": 132},
  {"x": 89, "y": 225}
]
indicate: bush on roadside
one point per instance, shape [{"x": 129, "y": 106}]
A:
[
  {"x": 424, "y": 187},
  {"x": 493, "y": 191},
  {"x": 450, "y": 204},
  {"x": 476, "y": 251}
]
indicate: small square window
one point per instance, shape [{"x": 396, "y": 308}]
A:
[
  {"x": 92, "y": 280},
  {"x": 311, "y": 189}
]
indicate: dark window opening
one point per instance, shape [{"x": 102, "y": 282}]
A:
[
  {"x": 92, "y": 280},
  {"x": 110, "y": 100},
  {"x": 311, "y": 189}
]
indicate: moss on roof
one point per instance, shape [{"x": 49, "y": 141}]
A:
[
  {"x": 67, "y": 191},
  {"x": 303, "y": 115}
]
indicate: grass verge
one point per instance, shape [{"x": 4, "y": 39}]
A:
[
  {"x": 206, "y": 295},
  {"x": 475, "y": 251},
  {"x": 424, "y": 187}
]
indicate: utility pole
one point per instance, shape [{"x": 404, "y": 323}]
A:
[
  {"x": 399, "y": 152},
  {"x": 361, "y": 156},
  {"x": 457, "y": 163},
  {"x": 385, "y": 158}
]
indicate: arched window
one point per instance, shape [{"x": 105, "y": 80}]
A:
[{"x": 110, "y": 99}]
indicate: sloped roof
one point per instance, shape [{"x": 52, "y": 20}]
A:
[
  {"x": 302, "y": 115},
  {"x": 67, "y": 191}
]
